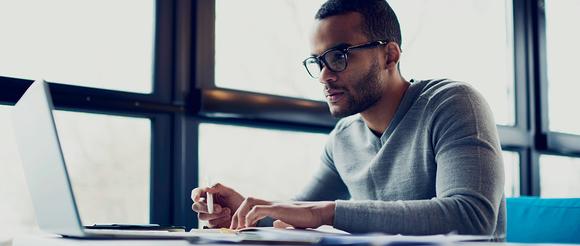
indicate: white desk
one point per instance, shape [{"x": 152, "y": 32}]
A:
[
  {"x": 53, "y": 240},
  {"x": 49, "y": 240}
]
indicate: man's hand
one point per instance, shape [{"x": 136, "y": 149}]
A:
[
  {"x": 298, "y": 215},
  {"x": 239, "y": 218},
  {"x": 226, "y": 200}
]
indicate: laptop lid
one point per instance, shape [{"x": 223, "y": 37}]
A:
[{"x": 43, "y": 162}]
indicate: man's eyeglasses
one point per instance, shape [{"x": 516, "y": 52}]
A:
[{"x": 334, "y": 59}]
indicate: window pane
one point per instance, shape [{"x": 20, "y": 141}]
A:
[
  {"x": 559, "y": 176},
  {"x": 15, "y": 203},
  {"x": 465, "y": 40},
  {"x": 108, "y": 159},
  {"x": 104, "y": 44},
  {"x": 268, "y": 164},
  {"x": 511, "y": 161},
  {"x": 562, "y": 63},
  {"x": 268, "y": 61}
]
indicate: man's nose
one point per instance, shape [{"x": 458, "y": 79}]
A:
[{"x": 327, "y": 76}]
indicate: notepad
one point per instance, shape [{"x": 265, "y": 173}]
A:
[{"x": 263, "y": 235}]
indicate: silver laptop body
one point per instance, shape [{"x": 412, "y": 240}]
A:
[{"x": 46, "y": 174}]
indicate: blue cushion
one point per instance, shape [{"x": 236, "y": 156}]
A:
[{"x": 540, "y": 220}]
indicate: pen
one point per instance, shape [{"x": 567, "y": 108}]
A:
[
  {"x": 209, "y": 202},
  {"x": 209, "y": 199}
]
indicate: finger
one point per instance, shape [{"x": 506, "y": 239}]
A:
[
  {"x": 234, "y": 223},
  {"x": 242, "y": 212},
  {"x": 236, "y": 217},
  {"x": 209, "y": 217},
  {"x": 217, "y": 188},
  {"x": 281, "y": 224},
  {"x": 241, "y": 219},
  {"x": 198, "y": 193},
  {"x": 222, "y": 221},
  {"x": 199, "y": 207},
  {"x": 217, "y": 214}
]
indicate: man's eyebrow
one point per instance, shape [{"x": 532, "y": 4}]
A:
[{"x": 339, "y": 45}]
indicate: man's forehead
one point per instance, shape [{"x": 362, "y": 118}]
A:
[{"x": 336, "y": 30}]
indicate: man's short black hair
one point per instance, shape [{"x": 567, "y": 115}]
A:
[{"x": 380, "y": 21}]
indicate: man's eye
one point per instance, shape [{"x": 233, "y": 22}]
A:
[
  {"x": 335, "y": 56},
  {"x": 339, "y": 55}
]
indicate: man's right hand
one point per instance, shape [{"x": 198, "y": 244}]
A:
[{"x": 226, "y": 202}]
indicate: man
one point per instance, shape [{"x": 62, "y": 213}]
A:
[{"x": 419, "y": 157}]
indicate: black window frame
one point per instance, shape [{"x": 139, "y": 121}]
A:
[{"x": 162, "y": 107}]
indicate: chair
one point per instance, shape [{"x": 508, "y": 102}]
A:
[{"x": 540, "y": 220}]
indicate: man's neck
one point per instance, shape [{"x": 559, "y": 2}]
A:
[{"x": 379, "y": 116}]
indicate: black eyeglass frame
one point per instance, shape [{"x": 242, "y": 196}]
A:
[{"x": 321, "y": 60}]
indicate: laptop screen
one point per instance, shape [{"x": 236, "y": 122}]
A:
[{"x": 43, "y": 162}]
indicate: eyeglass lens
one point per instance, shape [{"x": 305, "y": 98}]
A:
[{"x": 335, "y": 60}]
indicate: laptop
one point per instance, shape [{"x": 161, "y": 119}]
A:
[{"x": 46, "y": 173}]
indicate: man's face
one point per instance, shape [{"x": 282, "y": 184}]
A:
[{"x": 358, "y": 87}]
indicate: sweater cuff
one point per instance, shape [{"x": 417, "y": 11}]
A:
[{"x": 344, "y": 215}]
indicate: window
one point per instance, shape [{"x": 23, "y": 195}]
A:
[
  {"x": 269, "y": 164},
  {"x": 108, "y": 160},
  {"x": 511, "y": 161},
  {"x": 471, "y": 42},
  {"x": 87, "y": 43},
  {"x": 559, "y": 176},
  {"x": 562, "y": 38},
  {"x": 268, "y": 61}
]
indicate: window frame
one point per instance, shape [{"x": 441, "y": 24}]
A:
[
  {"x": 159, "y": 106},
  {"x": 554, "y": 142}
]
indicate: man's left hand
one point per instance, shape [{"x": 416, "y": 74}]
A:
[{"x": 297, "y": 215}]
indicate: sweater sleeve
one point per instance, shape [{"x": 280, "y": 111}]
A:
[{"x": 469, "y": 177}]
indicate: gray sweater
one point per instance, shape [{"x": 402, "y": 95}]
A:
[{"x": 436, "y": 169}]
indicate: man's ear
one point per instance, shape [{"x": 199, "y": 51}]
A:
[{"x": 393, "y": 54}]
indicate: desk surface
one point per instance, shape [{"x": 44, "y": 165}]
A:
[{"x": 52, "y": 240}]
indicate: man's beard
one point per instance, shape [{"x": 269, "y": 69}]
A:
[{"x": 368, "y": 92}]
